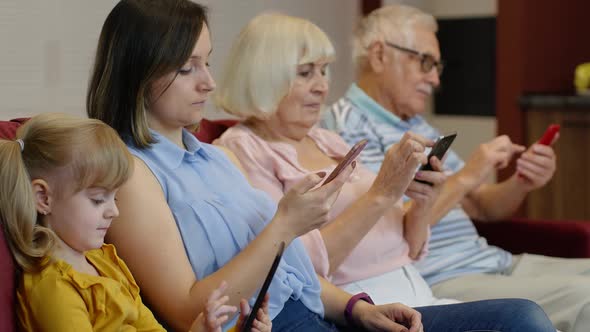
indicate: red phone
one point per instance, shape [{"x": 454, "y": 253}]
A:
[
  {"x": 348, "y": 159},
  {"x": 549, "y": 134}
]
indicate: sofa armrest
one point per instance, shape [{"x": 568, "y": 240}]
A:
[{"x": 570, "y": 239}]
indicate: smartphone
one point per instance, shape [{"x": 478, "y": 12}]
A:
[
  {"x": 347, "y": 160},
  {"x": 549, "y": 134},
  {"x": 258, "y": 304},
  {"x": 442, "y": 144}
]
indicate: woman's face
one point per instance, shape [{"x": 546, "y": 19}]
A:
[
  {"x": 183, "y": 102},
  {"x": 299, "y": 111}
]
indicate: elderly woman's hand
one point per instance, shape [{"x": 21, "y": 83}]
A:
[
  {"x": 304, "y": 208},
  {"x": 399, "y": 166},
  {"x": 425, "y": 194},
  {"x": 418, "y": 216}
]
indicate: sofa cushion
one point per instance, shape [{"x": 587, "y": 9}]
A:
[
  {"x": 7, "y": 267},
  {"x": 8, "y": 128},
  {"x": 209, "y": 130},
  {"x": 7, "y": 287}
]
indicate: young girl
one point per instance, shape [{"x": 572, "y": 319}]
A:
[{"x": 59, "y": 180}]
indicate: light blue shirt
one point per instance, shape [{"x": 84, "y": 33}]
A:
[
  {"x": 455, "y": 248},
  {"x": 218, "y": 213}
]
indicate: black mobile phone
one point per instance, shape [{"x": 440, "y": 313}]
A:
[
  {"x": 258, "y": 304},
  {"x": 347, "y": 160},
  {"x": 442, "y": 144}
]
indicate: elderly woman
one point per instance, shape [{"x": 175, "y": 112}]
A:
[{"x": 277, "y": 81}]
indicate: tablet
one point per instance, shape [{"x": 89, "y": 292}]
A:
[{"x": 258, "y": 304}]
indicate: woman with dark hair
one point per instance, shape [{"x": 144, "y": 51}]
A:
[{"x": 188, "y": 217}]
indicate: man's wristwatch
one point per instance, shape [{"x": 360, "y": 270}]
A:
[{"x": 353, "y": 300}]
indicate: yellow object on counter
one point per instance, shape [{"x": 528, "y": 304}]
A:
[{"x": 582, "y": 78}]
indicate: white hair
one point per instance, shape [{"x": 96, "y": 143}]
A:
[
  {"x": 262, "y": 63},
  {"x": 394, "y": 23}
]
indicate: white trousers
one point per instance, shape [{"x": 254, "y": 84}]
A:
[
  {"x": 404, "y": 285},
  {"x": 561, "y": 286}
]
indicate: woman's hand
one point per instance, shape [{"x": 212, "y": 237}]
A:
[
  {"x": 304, "y": 208},
  {"x": 216, "y": 312},
  {"x": 399, "y": 164},
  {"x": 418, "y": 216},
  {"x": 262, "y": 323},
  {"x": 425, "y": 194},
  {"x": 394, "y": 317}
]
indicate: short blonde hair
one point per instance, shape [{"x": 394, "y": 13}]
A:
[
  {"x": 68, "y": 152},
  {"x": 394, "y": 23},
  {"x": 262, "y": 63}
]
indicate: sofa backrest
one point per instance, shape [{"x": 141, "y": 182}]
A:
[
  {"x": 209, "y": 130},
  {"x": 7, "y": 267},
  {"x": 8, "y": 128},
  {"x": 7, "y": 287}
]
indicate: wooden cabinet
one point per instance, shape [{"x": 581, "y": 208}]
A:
[{"x": 567, "y": 195}]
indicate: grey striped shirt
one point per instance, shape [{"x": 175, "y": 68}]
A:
[{"x": 455, "y": 248}]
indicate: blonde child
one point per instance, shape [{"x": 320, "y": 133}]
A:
[{"x": 59, "y": 181}]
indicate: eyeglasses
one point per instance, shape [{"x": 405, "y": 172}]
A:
[{"x": 427, "y": 61}]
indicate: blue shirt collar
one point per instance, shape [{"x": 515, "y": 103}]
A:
[
  {"x": 172, "y": 154},
  {"x": 375, "y": 111}
]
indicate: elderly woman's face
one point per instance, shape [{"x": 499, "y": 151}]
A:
[{"x": 299, "y": 111}]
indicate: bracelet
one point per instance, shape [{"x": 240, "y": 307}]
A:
[{"x": 350, "y": 304}]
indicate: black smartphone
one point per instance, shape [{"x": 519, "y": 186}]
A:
[
  {"x": 442, "y": 144},
  {"x": 258, "y": 304},
  {"x": 347, "y": 160}
]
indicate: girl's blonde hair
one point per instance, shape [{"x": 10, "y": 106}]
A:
[
  {"x": 262, "y": 63},
  {"x": 68, "y": 152}
]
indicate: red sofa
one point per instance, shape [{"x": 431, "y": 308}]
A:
[{"x": 545, "y": 237}]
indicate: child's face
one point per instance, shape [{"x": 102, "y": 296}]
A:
[{"x": 82, "y": 219}]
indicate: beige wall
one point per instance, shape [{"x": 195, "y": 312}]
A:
[
  {"x": 475, "y": 129},
  {"x": 48, "y": 46}
]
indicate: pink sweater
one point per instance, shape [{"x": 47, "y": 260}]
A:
[{"x": 274, "y": 168}]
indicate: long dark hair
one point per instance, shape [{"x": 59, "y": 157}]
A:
[{"x": 140, "y": 42}]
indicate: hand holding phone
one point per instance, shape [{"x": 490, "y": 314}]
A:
[
  {"x": 438, "y": 150},
  {"x": 347, "y": 160},
  {"x": 549, "y": 134},
  {"x": 260, "y": 299}
]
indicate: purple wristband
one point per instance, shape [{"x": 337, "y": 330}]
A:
[{"x": 353, "y": 300}]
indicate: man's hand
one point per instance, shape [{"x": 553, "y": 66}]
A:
[
  {"x": 536, "y": 166},
  {"x": 491, "y": 156}
]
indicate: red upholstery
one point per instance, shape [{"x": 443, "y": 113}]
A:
[
  {"x": 7, "y": 294},
  {"x": 559, "y": 238},
  {"x": 7, "y": 268},
  {"x": 210, "y": 130},
  {"x": 8, "y": 128}
]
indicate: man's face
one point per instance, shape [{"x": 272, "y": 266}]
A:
[{"x": 407, "y": 86}]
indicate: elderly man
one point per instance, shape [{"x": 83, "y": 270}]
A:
[{"x": 398, "y": 65}]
